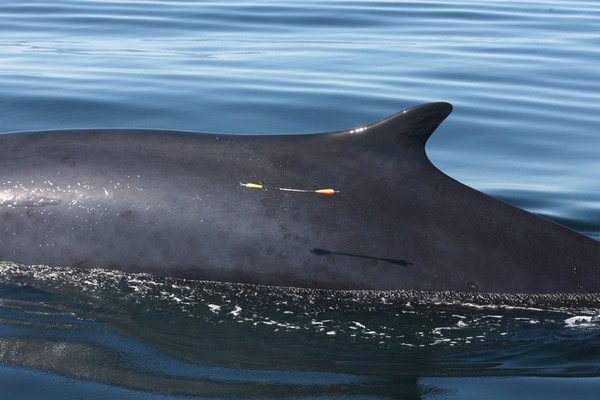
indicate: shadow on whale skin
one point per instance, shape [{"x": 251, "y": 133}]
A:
[
  {"x": 323, "y": 252},
  {"x": 340, "y": 210}
]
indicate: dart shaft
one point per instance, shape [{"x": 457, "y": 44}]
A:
[{"x": 259, "y": 186}]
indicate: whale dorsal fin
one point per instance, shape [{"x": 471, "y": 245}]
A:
[{"x": 411, "y": 127}]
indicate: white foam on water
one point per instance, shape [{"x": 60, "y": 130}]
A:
[{"x": 581, "y": 321}]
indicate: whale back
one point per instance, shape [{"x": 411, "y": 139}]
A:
[{"x": 356, "y": 209}]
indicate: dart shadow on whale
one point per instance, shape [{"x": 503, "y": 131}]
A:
[{"x": 323, "y": 252}]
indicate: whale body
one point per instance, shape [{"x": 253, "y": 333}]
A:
[{"x": 248, "y": 209}]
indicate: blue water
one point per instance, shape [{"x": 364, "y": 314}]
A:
[{"x": 523, "y": 77}]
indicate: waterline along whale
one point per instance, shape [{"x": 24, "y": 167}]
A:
[{"x": 357, "y": 209}]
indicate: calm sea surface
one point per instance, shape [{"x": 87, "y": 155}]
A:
[{"x": 524, "y": 78}]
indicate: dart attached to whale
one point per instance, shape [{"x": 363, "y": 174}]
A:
[{"x": 356, "y": 209}]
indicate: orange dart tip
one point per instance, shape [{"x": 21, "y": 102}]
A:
[{"x": 326, "y": 191}]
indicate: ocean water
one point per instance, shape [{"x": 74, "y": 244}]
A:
[{"x": 523, "y": 77}]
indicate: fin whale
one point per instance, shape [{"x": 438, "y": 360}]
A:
[{"x": 356, "y": 209}]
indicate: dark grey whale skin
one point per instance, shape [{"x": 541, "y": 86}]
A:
[{"x": 170, "y": 203}]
